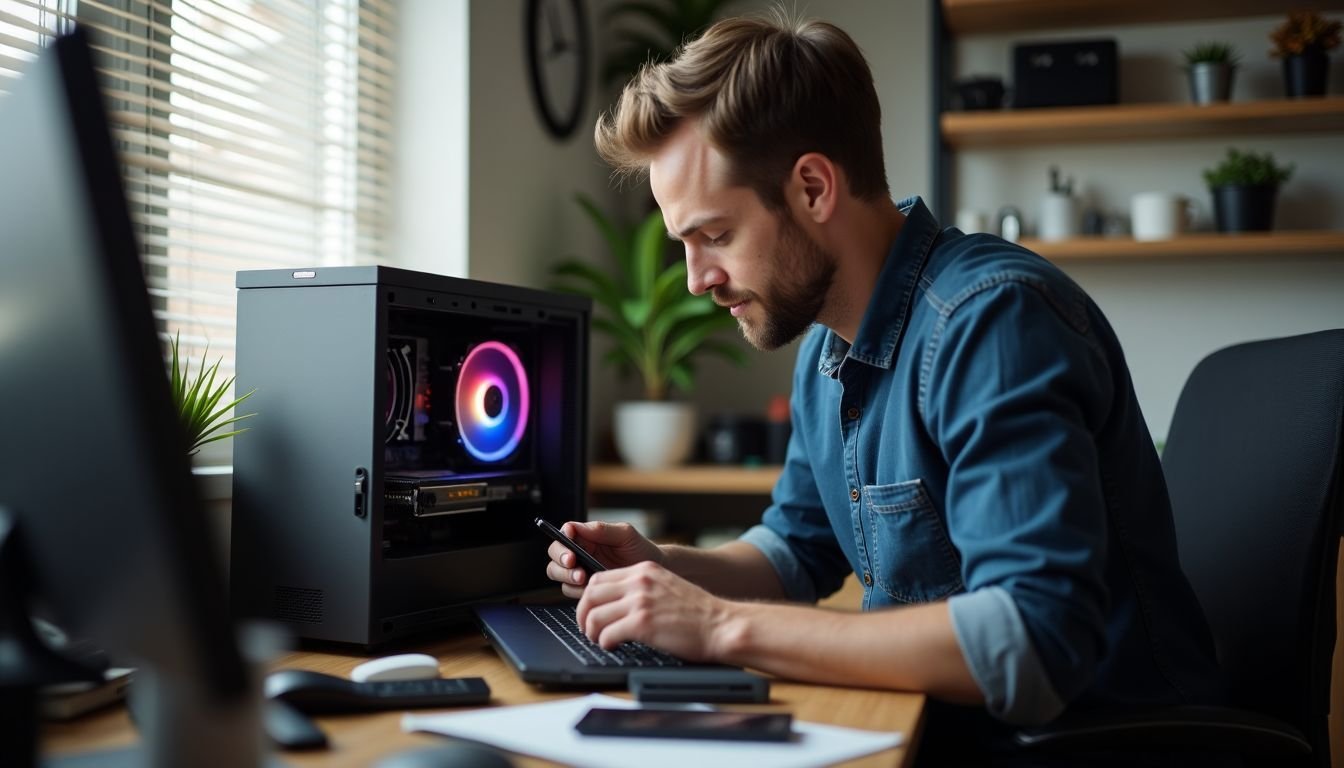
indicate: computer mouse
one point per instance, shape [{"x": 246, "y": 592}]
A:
[
  {"x": 309, "y": 691},
  {"x": 405, "y": 666},
  {"x": 458, "y": 754}
]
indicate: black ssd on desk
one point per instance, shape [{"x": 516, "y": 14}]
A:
[{"x": 1066, "y": 74}]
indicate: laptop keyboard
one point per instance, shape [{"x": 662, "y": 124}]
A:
[{"x": 561, "y": 623}]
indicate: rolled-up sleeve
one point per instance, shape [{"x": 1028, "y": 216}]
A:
[
  {"x": 1013, "y": 390},
  {"x": 994, "y": 640}
]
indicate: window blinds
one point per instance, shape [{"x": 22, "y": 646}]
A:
[{"x": 253, "y": 134}]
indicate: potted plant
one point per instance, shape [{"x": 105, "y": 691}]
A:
[
  {"x": 1211, "y": 67},
  {"x": 1303, "y": 42},
  {"x": 658, "y": 328},
  {"x": 1244, "y": 187},
  {"x": 197, "y": 397}
]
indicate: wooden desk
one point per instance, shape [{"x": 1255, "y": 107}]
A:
[{"x": 360, "y": 740}]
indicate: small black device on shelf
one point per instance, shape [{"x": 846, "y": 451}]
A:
[{"x": 1067, "y": 74}]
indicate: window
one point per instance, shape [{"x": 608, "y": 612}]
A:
[{"x": 254, "y": 134}]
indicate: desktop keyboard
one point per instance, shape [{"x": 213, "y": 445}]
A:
[{"x": 561, "y": 623}]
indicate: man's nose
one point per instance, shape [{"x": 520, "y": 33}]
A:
[{"x": 702, "y": 274}]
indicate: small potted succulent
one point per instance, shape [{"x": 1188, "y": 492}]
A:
[
  {"x": 198, "y": 397},
  {"x": 1211, "y": 67},
  {"x": 1303, "y": 42},
  {"x": 1245, "y": 186}
]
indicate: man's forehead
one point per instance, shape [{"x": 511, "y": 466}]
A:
[{"x": 689, "y": 177}]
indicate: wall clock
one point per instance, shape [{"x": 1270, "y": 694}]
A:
[{"x": 557, "y": 62}]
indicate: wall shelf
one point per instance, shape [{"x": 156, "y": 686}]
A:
[
  {"x": 1201, "y": 245},
  {"x": 1129, "y": 122},
  {"x": 689, "y": 479},
  {"x": 977, "y": 17}
]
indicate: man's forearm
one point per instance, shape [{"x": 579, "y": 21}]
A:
[
  {"x": 912, "y": 648},
  {"x": 735, "y": 570}
]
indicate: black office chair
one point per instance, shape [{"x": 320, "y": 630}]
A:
[{"x": 1253, "y": 464}]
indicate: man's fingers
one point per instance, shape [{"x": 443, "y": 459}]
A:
[
  {"x": 557, "y": 572},
  {"x": 598, "y": 619},
  {"x": 599, "y": 533},
  {"x": 559, "y": 553}
]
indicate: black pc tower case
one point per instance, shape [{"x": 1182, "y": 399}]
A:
[{"x": 409, "y": 428}]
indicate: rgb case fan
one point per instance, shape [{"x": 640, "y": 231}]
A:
[{"x": 492, "y": 402}]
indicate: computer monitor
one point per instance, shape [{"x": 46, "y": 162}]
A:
[{"x": 94, "y": 473}]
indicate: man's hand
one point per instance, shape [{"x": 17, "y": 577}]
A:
[
  {"x": 615, "y": 545},
  {"x": 651, "y": 604}
]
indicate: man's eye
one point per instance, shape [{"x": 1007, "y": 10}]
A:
[{"x": 720, "y": 240}]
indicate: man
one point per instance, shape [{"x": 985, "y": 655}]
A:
[{"x": 966, "y": 435}]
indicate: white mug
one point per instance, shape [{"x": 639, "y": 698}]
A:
[
  {"x": 1059, "y": 216},
  {"x": 1160, "y": 215}
]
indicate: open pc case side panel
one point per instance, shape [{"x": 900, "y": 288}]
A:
[{"x": 470, "y": 421}]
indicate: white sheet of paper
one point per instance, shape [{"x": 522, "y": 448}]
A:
[{"x": 547, "y": 731}]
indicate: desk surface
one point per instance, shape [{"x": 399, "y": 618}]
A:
[{"x": 359, "y": 740}]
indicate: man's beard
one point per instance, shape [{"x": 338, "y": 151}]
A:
[{"x": 794, "y": 294}]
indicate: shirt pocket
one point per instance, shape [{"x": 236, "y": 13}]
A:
[{"x": 913, "y": 557}]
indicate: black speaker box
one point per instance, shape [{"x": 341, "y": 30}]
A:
[
  {"x": 1070, "y": 74},
  {"x": 372, "y": 383}
]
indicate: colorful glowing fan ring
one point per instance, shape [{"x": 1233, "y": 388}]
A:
[
  {"x": 492, "y": 367},
  {"x": 481, "y": 402}
]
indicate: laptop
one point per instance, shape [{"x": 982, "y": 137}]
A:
[{"x": 544, "y": 645}]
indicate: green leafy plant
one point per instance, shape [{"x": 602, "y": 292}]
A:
[
  {"x": 1247, "y": 169},
  {"x": 659, "y": 27},
  {"x": 1212, "y": 53},
  {"x": 658, "y": 327},
  {"x": 1304, "y": 31},
  {"x": 198, "y": 397}
]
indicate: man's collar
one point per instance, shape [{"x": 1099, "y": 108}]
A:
[{"x": 889, "y": 306}]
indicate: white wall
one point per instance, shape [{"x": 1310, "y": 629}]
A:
[
  {"x": 523, "y": 218},
  {"x": 429, "y": 186},
  {"x": 1170, "y": 314}
]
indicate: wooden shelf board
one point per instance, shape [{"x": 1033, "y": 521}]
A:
[
  {"x": 1128, "y": 122},
  {"x": 1300, "y": 243},
  {"x": 689, "y": 479},
  {"x": 971, "y": 17}
]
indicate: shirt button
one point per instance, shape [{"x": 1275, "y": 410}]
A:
[
  {"x": 853, "y": 494},
  {"x": 867, "y": 579},
  {"x": 852, "y": 413}
]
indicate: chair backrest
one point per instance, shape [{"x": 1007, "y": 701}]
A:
[{"x": 1253, "y": 464}]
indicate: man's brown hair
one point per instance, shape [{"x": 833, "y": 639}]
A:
[{"x": 767, "y": 91}]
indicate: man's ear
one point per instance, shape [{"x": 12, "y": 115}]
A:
[{"x": 814, "y": 187}]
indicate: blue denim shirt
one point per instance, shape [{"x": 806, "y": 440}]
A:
[{"x": 981, "y": 443}]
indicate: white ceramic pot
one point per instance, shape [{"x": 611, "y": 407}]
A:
[{"x": 653, "y": 434}]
